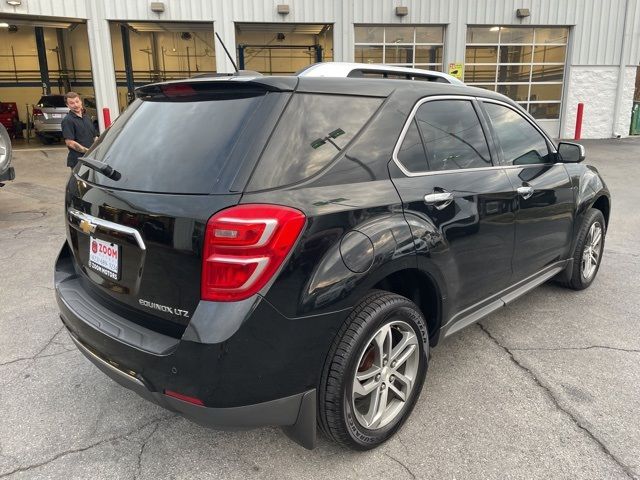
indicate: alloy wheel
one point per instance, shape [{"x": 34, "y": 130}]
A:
[
  {"x": 386, "y": 375},
  {"x": 592, "y": 251}
]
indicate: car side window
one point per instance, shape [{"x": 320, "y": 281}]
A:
[
  {"x": 411, "y": 153},
  {"x": 451, "y": 134},
  {"x": 520, "y": 142}
]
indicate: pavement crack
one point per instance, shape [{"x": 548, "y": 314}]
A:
[
  {"x": 407, "y": 469},
  {"x": 142, "y": 447},
  {"x": 85, "y": 448},
  {"x": 574, "y": 418},
  {"x": 590, "y": 347},
  {"x": 39, "y": 353}
]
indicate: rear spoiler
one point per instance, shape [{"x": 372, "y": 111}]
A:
[{"x": 208, "y": 87}]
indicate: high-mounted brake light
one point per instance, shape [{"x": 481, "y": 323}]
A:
[
  {"x": 177, "y": 89},
  {"x": 244, "y": 247}
]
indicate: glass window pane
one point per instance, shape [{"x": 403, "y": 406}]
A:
[
  {"x": 437, "y": 68},
  {"x": 398, "y": 35},
  {"x": 520, "y": 142},
  {"x": 482, "y": 34},
  {"x": 551, "y": 35},
  {"x": 411, "y": 153},
  {"x": 515, "y": 54},
  {"x": 481, "y": 55},
  {"x": 549, "y": 53},
  {"x": 545, "y": 110},
  {"x": 547, "y": 73},
  {"x": 311, "y": 132},
  {"x": 513, "y": 73},
  {"x": 480, "y": 73},
  {"x": 429, "y": 34},
  {"x": 518, "y": 93},
  {"x": 369, "y": 34},
  {"x": 541, "y": 91},
  {"x": 452, "y": 135},
  {"x": 428, "y": 54},
  {"x": 516, "y": 35},
  {"x": 525, "y": 106},
  {"x": 398, "y": 54},
  {"x": 368, "y": 54}
]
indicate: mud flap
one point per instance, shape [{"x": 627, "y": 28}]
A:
[{"x": 303, "y": 432}]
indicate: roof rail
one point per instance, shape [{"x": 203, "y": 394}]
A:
[{"x": 372, "y": 70}]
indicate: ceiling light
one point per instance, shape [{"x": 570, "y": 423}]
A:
[
  {"x": 494, "y": 29},
  {"x": 4, "y": 25},
  {"x": 14, "y": 3}
]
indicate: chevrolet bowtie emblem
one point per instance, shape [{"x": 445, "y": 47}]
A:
[{"x": 87, "y": 227}]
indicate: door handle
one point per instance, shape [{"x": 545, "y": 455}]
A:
[
  {"x": 525, "y": 191},
  {"x": 440, "y": 200}
]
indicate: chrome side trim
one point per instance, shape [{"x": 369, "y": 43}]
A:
[
  {"x": 99, "y": 222},
  {"x": 422, "y": 101},
  {"x": 96, "y": 359}
]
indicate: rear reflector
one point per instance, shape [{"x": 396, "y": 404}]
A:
[
  {"x": 244, "y": 247},
  {"x": 184, "y": 398}
]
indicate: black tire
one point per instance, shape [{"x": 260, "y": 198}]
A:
[
  {"x": 575, "y": 279},
  {"x": 335, "y": 409}
]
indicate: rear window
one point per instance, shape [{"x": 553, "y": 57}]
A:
[
  {"x": 313, "y": 130},
  {"x": 52, "y": 101},
  {"x": 173, "y": 146}
]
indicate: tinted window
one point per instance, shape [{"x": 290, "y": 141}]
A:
[
  {"x": 452, "y": 135},
  {"x": 520, "y": 142},
  {"x": 52, "y": 101},
  {"x": 312, "y": 131},
  {"x": 174, "y": 146},
  {"x": 411, "y": 153}
]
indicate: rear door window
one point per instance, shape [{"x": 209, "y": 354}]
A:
[
  {"x": 452, "y": 136},
  {"x": 313, "y": 130},
  {"x": 178, "y": 146}
]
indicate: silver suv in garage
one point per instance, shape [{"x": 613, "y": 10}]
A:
[{"x": 49, "y": 112}]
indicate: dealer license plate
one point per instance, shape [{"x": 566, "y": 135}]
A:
[{"x": 104, "y": 257}]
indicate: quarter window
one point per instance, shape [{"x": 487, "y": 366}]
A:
[
  {"x": 451, "y": 135},
  {"x": 520, "y": 142}
]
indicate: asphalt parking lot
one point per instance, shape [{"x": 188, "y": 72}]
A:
[{"x": 549, "y": 387}]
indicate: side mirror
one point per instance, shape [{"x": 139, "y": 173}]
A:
[{"x": 571, "y": 152}]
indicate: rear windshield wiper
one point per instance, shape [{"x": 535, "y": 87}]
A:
[{"x": 101, "y": 167}]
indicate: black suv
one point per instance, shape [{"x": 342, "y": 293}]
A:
[{"x": 285, "y": 250}]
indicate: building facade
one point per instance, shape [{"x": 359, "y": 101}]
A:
[{"x": 548, "y": 55}]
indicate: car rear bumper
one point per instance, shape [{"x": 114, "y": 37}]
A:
[
  {"x": 150, "y": 363},
  {"x": 296, "y": 413},
  {"x": 51, "y": 129}
]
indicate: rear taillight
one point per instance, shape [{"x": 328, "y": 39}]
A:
[
  {"x": 244, "y": 246},
  {"x": 37, "y": 111}
]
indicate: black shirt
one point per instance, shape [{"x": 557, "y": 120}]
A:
[{"x": 78, "y": 129}]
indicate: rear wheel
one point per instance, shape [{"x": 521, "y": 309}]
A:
[
  {"x": 588, "y": 252},
  {"x": 375, "y": 371}
]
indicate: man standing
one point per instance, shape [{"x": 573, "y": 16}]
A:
[{"x": 77, "y": 129}]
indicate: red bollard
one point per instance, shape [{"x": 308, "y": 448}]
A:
[
  {"x": 106, "y": 115},
  {"x": 579, "y": 121}
]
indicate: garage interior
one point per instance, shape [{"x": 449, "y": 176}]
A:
[
  {"x": 38, "y": 58},
  {"x": 145, "y": 52},
  {"x": 282, "y": 49}
]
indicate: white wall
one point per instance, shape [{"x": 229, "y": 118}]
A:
[{"x": 596, "y": 87}]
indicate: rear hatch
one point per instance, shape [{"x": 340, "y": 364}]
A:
[
  {"x": 51, "y": 109},
  {"x": 183, "y": 152}
]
